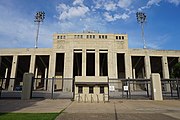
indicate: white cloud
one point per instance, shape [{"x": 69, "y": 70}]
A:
[
  {"x": 67, "y": 12},
  {"x": 157, "y": 2},
  {"x": 105, "y": 4},
  {"x": 78, "y": 2},
  {"x": 108, "y": 17},
  {"x": 110, "y": 6},
  {"x": 124, "y": 16},
  {"x": 111, "y": 18},
  {"x": 176, "y": 2},
  {"x": 124, "y": 3},
  {"x": 62, "y": 7},
  {"x": 149, "y": 4},
  {"x": 152, "y": 2},
  {"x": 99, "y": 3}
]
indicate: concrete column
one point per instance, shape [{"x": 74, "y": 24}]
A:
[
  {"x": 156, "y": 86},
  {"x": 115, "y": 65},
  {"x": 128, "y": 69},
  {"x": 134, "y": 73},
  {"x": 165, "y": 72},
  {"x": 128, "y": 66},
  {"x": 134, "y": 77},
  {"x": 32, "y": 64},
  {"x": 27, "y": 86},
  {"x": 4, "y": 81},
  {"x": 35, "y": 80},
  {"x": 112, "y": 64},
  {"x": 45, "y": 78},
  {"x": 83, "y": 62},
  {"x": 68, "y": 71},
  {"x": 52, "y": 64},
  {"x": 165, "y": 67},
  {"x": 147, "y": 66},
  {"x": 97, "y": 63},
  {"x": 13, "y": 73}
]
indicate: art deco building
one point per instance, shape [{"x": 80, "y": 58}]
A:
[{"x": 88, "y": 58}]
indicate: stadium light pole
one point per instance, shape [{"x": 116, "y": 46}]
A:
[
  {"x": 39, "y": 17},
  {"x": 141, "y": 19}
]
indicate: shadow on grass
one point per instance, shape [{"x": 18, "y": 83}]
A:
[{"x": 28, "y": 116}]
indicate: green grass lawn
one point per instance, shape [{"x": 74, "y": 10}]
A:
[{"x": 28, "y": 116}]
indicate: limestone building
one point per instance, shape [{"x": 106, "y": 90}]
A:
[{"x": 83, "y": 62}]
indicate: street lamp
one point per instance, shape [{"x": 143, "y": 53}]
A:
[
  {"x": 141, "y": 19},
  {"x": 39, "y": 17}
]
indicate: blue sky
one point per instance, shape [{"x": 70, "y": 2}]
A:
[{"x": 18, "y": 30}]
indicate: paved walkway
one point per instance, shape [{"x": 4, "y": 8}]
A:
[
  {"x": 123, "y": 110},
  {"x": 34, "y": 106},
  {"x": 113, "y": 110}
]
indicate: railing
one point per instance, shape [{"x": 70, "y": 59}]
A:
[
  {"x": 174, "y": 86},
  {"x": 92, "y": 99},
  {"x": 79, "y": 97},
  {"x": 85, "y": 98},
  {"x": 97, "y": 98},
  {"x": 105, "y": 96}
]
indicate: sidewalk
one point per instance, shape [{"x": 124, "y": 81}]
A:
[
  {"x": 123, "y": 110},
  {"x": 34, "y": 105},
  {"x": 113, "y": 110}
]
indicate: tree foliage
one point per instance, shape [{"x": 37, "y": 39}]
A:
[{"x": 176, "y": 71}]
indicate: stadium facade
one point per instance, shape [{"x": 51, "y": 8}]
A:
[{"x": 89, "y": 59}]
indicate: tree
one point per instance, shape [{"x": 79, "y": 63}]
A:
[{"x": 176, "y": 71}]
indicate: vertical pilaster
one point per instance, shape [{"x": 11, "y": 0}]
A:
[
  {"x": 13, "y": 73},
  {"x": 134, "y": 73},
  {"x": 35, "y": 80},
  {"x": 115, "y": 65},
  {"x": 112, "y": 64},
  {"x": 83, "y": 62},
  {"x": 165, "y": 67},
  {"x": 32, "y": 64},
  {"x": 68, "y": 71},
  {"x": 128, "y": 66},
  {"x": 52, "y": 64},
  {"x": 97, "y": 63},
  {"x": 5, "y": 77},
  {"x": 45, "y": 78},
  {"x": 165, "y": 70},
  {"x": 147, "y": 66},
  {"x": 179, "y": 59}
]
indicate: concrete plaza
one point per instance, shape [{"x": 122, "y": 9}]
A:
[{"x": 113, "y": 110}]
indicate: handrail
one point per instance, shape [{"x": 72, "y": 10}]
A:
[
  {"x": 78, "y": 97},
  {"x": 97, "y": 98},
  {"x": 85, "y": 98},
  {"x": 104, "y": 97},
  {"x": 92, "y": 98}
]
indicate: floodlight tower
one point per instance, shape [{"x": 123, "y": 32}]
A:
[
  {"x": 39, "y": 17},
  {"x": 141, "y": 19}
]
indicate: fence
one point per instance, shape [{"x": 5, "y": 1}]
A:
[
  {"x": 171, "y": 88},
  {"x": 118, "y": 88},
  {"x": 130, "y": 88},
  {"x": 42, "y": 88}
]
